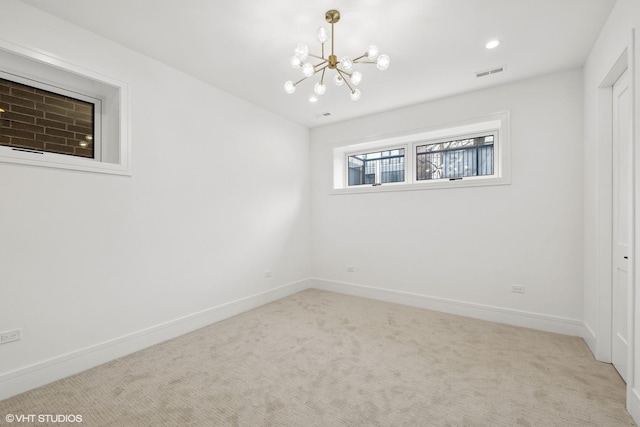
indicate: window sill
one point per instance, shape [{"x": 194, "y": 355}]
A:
[
  {"x": 60, "y": 161},
  {"x": 440, "y": 184}
]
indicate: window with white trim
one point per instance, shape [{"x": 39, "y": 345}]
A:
[
  {"x": 471, "y": 153},
  {"x": 60, "y": 115}
]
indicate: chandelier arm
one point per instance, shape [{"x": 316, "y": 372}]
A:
[
  {"x": 318, "y": 57},
  {"x": 324, "y": 67},
  {"x": 314, "y": 73},
  {"x": 343, "y": 73},
  {"x": 300, "y": 81},
  {"x": 322, "y": 78},
  {"x": 324, "y": 64},
  {"x": 360, "y": 57}
]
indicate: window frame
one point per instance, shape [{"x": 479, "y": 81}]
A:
[
  {"x": 496, "y": 124},
  {"x": 38, "y": 66}
]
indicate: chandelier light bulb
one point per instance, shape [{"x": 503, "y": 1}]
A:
[
  {"x": 383, "y": 62},
  {"x": 338, "y": 80},
  {"x": 372, "y": 52},
  {"x": 346, "y": 63},
  {"x": 323, "y": 35},
  {"x": 356, "y": 77},
  {"x": 355, "y": 94},
  {"x": 302, "y": 51},
  {"x": 320, "y": 88},
  {"x": 307, "y": 69},
  {"x": 289, "y": 87},
  {"x": 296, "y": 62}
]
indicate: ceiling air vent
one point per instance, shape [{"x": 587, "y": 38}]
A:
[
  {"x": 319, "y": 116},
  {"x": 491, "y": 71}
]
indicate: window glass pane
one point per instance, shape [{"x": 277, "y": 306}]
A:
[
  {"x": 377, "y": 167},
  {"x": 37, "y": 119},
  {"x": 455, "y": 159}
]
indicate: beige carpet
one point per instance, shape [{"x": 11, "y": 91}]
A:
[{"x": 324, "y": 359}]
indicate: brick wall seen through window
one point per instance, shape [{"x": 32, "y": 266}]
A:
[{"x": 36, "y": 119}]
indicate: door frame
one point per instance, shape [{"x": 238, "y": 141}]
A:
[
  {"x": 605, "y": 208},
  {"x": 621, "y": 360},
  {"x": 603, "y": 333}
]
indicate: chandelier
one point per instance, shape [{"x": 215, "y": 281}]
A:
[{"x": 345, "y": 75}]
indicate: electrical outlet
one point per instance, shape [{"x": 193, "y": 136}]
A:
[
  {"x": 9, "y": 336},
  {"x": 518, "y": 289},
  {"x": 351, "y": 268}
]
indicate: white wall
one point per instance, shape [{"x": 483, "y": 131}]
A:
[
  {"x": 219, "y": 194},
  {"x": 468, "y": 245},
  {"x": 612, "y": 42}
]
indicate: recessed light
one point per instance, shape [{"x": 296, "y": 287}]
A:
[
  {"x": 313, "y": 99},
  {"x": 493, "y": 44}
]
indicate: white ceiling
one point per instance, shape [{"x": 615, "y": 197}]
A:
[{"x": 436, "y": 46}]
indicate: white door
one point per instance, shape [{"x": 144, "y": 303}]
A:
[{"x": 622, "y": 225}]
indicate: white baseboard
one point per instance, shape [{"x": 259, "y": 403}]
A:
[
  {"x": 590, "y": 338},
  {"x": 543, "y": 322},
  {"x": 633, "y": 404},
  {"x": 29, "y": 377}
]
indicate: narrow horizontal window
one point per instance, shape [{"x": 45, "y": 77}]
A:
[
  {"x": 469, "y": 153},
  {"x": 378, "y": 167},
  {"x": 454, "y": 159},
  {"x": 33, "y": 118}
]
